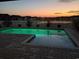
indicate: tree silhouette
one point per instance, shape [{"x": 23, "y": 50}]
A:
[
  {"x": 76, "y": 22},
  {"x": 29, "y": 23},
  {"x": 6, "y": 21},
  {"x": 48, "y": 23}
]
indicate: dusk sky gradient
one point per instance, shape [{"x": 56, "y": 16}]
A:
[{"x": 43, "y": 8}]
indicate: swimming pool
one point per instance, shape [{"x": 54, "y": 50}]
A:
[{"x": 44, "y": 37}]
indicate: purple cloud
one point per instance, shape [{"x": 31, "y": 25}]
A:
[{"x": 66, "y": 0}]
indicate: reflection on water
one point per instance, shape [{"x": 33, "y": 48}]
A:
[{"x": 53, "y": 41}]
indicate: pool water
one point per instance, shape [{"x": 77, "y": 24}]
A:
[
  {"x": 37, "y": 32},
  {"x": 44, "y": 37}
]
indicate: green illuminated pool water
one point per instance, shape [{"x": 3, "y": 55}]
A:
[
  {"x": 37, "y": 32},
  {"x": 44, "y": 37}
]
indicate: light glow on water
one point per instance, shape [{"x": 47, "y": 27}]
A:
[{"x": 36, "y": 32}]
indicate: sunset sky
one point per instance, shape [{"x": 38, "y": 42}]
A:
[{"x": 43, "y": 8}]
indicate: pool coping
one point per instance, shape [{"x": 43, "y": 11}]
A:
[
  {"x": 71, "y": 38},
  {"x": 74, "y": 36},
  {"x": 50, "y": 28},
  {"x": 29, "y": 39}
]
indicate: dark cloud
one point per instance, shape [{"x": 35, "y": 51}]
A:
[
  {"x": 66, "y": 0},
  {"x": 73, "y": 12},
  {"x": 57, "y": 13},
  {"x": 6, "y": 0}
]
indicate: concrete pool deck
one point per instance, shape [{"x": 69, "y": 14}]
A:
[
  {"x": 8, "y": 40},
  {"x": 38, "y": 52}
]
